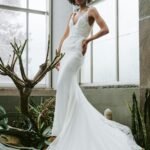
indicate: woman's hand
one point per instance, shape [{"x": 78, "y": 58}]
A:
[
  {"x": 58, "y": 64},
  {"x": 84, "y": 46}
]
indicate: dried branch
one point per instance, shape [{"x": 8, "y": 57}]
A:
[
  {"x": 55, "y": 61},
  {"x": 1, "y": 61},
  {"x": 11, "y": 74},
  {"x": 41, "y": 69},
  {"x": 43, "y": 66},
  {"x": 47, "y": 69},
  {"x": 24, "y": 85},
  {"x": 18, "y": 52},
  {"x": 2, "y": 67},
  {"x": 48, "y": 49},
  {"x": 2, "y": 73},
  {"x": 13, "y": 60}
]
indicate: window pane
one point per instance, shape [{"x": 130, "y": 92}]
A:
[
  {"x": 128, "y": 16},
  {"x": 104, "y": 61},
  {"x": 129, "y": 41},
  {"x": 17, "y": 3},
  {"x": 37, "y": 43},
  {"x": 86, "y": 67},
  {"x": 104, "y": 48},
  {"x": 38, "y": 4},
  {"x": 107, "y": 11},
  {"x": 129, "y": 58},
  {"x": 12, "y": 26}
]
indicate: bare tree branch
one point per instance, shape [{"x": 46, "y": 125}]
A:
[
  {"x": 1, "y": 61},
  {"x": 11, "y": 74},
  {"x": 25, "y": 85},
  {"x": 19, "y": 50},
  {"x": 48, "y": 49},
  {"x": 2, "y": 73},
  {"x": 13, "y": 59},
  {"x": 47, "y": 69}
]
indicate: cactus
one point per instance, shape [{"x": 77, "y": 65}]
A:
[
  {"x": 141, "y": 121},
  {"x": 147, "y": 115}
]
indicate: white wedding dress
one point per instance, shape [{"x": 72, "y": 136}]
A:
[{"x": 77, "y": 124}]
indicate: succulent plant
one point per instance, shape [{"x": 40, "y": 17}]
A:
[{"x": 141, "y": 121}]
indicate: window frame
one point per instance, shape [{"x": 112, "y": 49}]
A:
[
  {"x": 117, "y": 82},
  {"x": 27, "y": 10}
]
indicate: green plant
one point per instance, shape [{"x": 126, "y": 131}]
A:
[
  {"x": 21, "y": 127},
  {"x": 147, "y": 115},
  {"x": 43, "y": 113},
  {"x": 3, "y": 122},
  {"x": 141, "y": 121}
]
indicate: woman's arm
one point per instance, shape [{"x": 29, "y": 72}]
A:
[
  {"x": 95, "y": 16},
  {"x": 101, "y": 23},
  {"x": 65, "y": 35}
]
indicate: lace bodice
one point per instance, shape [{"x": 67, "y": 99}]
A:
[
  {"x": 78, "y": 31},
  {"x": 81, "y": 27}
]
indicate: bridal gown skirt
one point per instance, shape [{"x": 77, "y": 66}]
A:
[{"x": 77, "y": 124}]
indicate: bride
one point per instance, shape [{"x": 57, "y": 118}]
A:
[{"x": 77, "y": 124}]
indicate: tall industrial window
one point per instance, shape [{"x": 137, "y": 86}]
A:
[
  {"x": 114, "y": 58},
  {"x": 20, "y": 20}
]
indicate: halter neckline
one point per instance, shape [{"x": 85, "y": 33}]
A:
[{"x": 74, "y": 23}]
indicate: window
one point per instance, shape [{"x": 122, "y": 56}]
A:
[
  {"x": 24, "y": 19},
  {"x": 114, "y": 58}
]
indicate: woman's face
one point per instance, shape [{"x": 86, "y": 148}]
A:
[{"x": 80, "y": 2}]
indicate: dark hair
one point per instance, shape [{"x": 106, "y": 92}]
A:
[{"x": 74, "y": 3}]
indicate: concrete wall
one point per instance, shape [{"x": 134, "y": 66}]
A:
[
  {"x": 117, "y": 99},
  {"x": 100, "y": 97},
  {"x": 144, "y": 28}
]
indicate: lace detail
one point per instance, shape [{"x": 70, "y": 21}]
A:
[{"x": 81, "y": 27}]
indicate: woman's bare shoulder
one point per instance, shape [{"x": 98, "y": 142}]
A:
[{"x": 93, "y": 9}]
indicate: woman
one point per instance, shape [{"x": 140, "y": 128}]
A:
[{"x": 77, "y": 124}]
